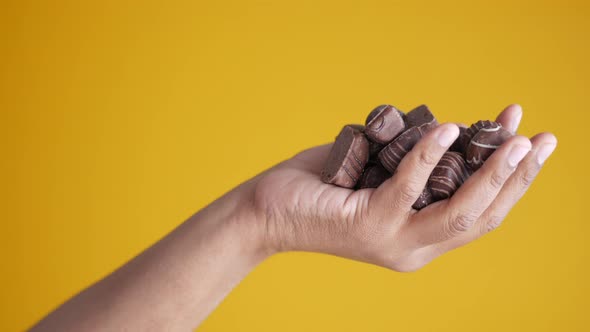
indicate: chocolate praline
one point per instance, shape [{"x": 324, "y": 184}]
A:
[
  {"x": 384, "y": 123},
  {"x": 456, "y": 146},
  {"x": 465, "y": 136},
  {"x": 373, "y": 176},
  {"x": 424, "y": 199},
  {"x": 392, "y": 154},
  {"x": 374, "y": 149},
  {"x": 448, "y": 175},
  {"x": 347, "y": 158},
  {"x": 421, "y": 116},
  {"x": 484, "y": 143}
]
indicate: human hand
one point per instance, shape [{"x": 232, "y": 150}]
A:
[
  {"x": 379, "y": 226},
  {"x": 288, "y": 207}
]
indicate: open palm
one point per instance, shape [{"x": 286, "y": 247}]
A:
[
  {"x": 294, "y": 199},
  {"x": 378, "y": 225}
]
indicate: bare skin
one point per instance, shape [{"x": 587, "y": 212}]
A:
[{"x": 177, "y": 282}]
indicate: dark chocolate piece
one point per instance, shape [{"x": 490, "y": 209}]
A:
[
  {"x": 466, "y": 136},
  {"x": 420, "y": 116},
  {"x": 456, "y": 146},
  {"x": 374, "y": 149},
  {"x": 373, "y": 176},
  {"x": 384, "y": 123},
  {"x": 347, "y": 158},
  {"x": 424, "y": 199},
  {"x": 392, "y": 154},
  {"x": 448, "y": 175},
  {"x": 356, "y": 126},
  {"x": 484, "y": 143}
]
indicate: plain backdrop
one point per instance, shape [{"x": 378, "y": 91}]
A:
[{"x": 120, "y": 119}]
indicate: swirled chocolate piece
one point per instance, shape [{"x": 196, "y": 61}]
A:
[
  {"x": 347, "y": 158},
  {"x": 421, "y": 116},
  {"x": 484, "y": 143},
  {"x": 373, "y": 176},
  {"x": 384, "y": 123},
  {"x": 466, "y": 136},
  {"x": 448, "y": 175},
  {"x": 392, "y": 154},
  {"x": 423, "y": 200}
]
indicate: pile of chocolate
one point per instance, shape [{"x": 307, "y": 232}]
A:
[{"x": 366, "y": 156}]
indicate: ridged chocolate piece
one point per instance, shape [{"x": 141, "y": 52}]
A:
[
  {"x": 424, "y": 199},
  {"x": 448, "y": 175},
  {"x": 484, "y": 143},
  {"x": 421, "y": 116},
  {"x": 384, "y": 123},
  {"x": 347, "y": 158},
  {"x": 466, "y": 136},
  {"x": 373, "y": 176},
  {"x": 392, "y": 154}
]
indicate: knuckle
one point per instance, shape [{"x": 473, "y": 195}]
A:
[
  {"x": 496, "y": 180},
  {"x": 493, "y": 222},
  {"x": 426, "y": 159},
  {"x": 527, "y": 177},
  {"x": 407, "y": 194},
  {"x": 460, "y": 223}
]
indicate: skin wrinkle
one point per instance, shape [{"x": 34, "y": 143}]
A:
[
  {"x": 271, "y": 208},
  {"x": 346, "y": 207},
  {"x": 298, "y": 223},
  {"x": 528, "y": 176},
  {"x": 496, "y": 180},
  {"x": 493, "y": 222}
]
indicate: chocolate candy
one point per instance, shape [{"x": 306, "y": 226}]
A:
[
  {"x": 392, "y": 154},
  {"x": 484, "y": 143},
  {"x": 347, "y": 158},
  {"x": 373, "y": 176},
  {"x": 384, "y": 123},
  {"x": 456, "y": 146},
  {"x": 466, "y": 136},
  {"x": 420, "y": 116},
  {"x": 424, "y": 199},
  {"x": 374, "y": 149},
  {"x": 366, "y": 156},
  {"x": 450, "y": 173}
]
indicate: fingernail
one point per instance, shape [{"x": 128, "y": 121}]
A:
[
  {"x": 516, "y": 122},
  {"x": 544, "y": 152},
  {"x": 447, "y": 136},
  {"x": 516, "y": 154}
]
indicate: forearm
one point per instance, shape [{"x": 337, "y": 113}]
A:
[{"x": 178, "y": 281}]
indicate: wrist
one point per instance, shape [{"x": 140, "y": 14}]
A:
[{"x": 239, "y": 222}]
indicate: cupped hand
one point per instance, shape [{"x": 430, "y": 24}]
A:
[{"x": 379, "y": 226}]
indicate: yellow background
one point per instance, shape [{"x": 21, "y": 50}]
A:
[{"x": 119, "y": 119}]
